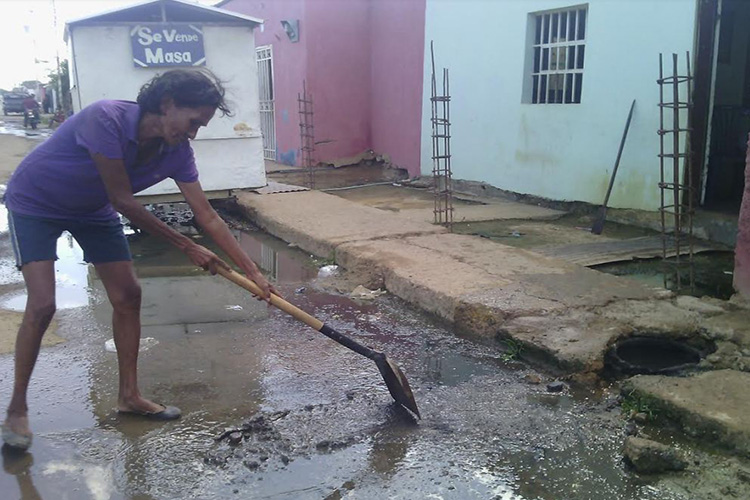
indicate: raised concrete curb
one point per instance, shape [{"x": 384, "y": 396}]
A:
[
  {"x": 712, "y": 406},
  {"x": 549, "y": 306}
]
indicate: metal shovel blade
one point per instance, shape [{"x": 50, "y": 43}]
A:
[
  {"x": 397, "y": 384},
  {"x": 394, "y": 378}
]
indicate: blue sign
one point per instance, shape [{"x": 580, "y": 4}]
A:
[{"x": 167, "y": 45}]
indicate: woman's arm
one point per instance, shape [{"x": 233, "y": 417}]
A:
[
  {"x": 211, "y": 223},
  {"x": 117, "y": 184}
]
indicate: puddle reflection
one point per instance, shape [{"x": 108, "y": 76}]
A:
[
  {"x": 18, "y": 465},
  {"x": 153, "y": 257},
  {"x": 19, "y": 131},
  {"x": 71, "y": 276}
]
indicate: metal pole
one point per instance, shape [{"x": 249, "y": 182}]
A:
[{"x": 59, "y": 99}]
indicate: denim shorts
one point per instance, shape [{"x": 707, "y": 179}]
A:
[{"x": 35, "y": 238}]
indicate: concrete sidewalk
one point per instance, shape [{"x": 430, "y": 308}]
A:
[{"x": 555, "y": 309}]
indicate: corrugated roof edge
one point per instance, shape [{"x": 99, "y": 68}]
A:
[{"x": 214, "y": 9}]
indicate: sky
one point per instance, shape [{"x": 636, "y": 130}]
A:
[{"x": 29, "y": 41}]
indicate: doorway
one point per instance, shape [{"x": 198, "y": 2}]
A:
[
  {"x": 730, "y": 115},
  {"x": 264, "y": 56}
]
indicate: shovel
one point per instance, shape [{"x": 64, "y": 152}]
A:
[
  {"x": 598, "y": 226},
  {"x": 394, "y": 378}
]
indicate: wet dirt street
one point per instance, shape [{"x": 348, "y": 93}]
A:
[{"x": 315, "y": 420}]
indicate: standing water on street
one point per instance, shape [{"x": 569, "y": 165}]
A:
[{"x": 273, "y": 409}]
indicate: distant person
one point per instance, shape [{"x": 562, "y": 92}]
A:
[
  {"x": 57, "y": 119},
  {"x": 78, "y": 180},
  {"x": 30, "y": 103},
  {"x": 47, "y": 103},
  {"x": 30, "y": 111}
]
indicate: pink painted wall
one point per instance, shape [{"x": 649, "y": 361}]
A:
[
  {"x": 290, "y": 63},
  {"x": 338, "y": 69},
  {"x": 742, "y": 251},
  {"x": 362, "y": 60},
  {"x": 397, "y": 47}
]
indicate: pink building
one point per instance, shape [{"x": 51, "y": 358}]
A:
[{"x": 362, "y": 62}]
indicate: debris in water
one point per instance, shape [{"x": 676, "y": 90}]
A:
[
  {"x": 146, "y": 344},
  {"x": 233, "y": 308},
  {"x": 533, "y": 378},
  {"x": 363, "y": 293},
  {"x": 327, "y": 271},
  {"x": 300, "y": 290}
]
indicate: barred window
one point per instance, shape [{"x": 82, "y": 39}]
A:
[{"x": 558, "y": 51}]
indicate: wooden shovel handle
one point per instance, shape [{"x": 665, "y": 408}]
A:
[{"x": 277, "y": 301}]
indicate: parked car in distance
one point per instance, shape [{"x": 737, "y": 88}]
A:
[{"x": 13, "y": 102}]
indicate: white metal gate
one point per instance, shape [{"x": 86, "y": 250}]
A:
[{"x": 265, "y": 87}]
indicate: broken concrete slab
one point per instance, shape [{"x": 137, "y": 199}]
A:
[
  {"x": 728, "y": 355},
  {"x": 733, "y": 326},
  {"x": 572, "y": 341},
  {"x": 654, "y": 317},
  {"x": 712, "y": 406}
]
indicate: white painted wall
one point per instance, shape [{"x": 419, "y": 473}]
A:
[
  {"x": 558, "y": 151},
  {"x": 229, "y": 152}
]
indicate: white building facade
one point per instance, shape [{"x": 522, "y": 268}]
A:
[
  {"x": 115, "y": 53},
  {"x": 541, "y": 90}
]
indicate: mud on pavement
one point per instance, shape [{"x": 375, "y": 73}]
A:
[{"x": 274, "y": 410}]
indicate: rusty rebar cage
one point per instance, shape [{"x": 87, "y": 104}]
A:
[
  {"x": 675, "y": 181},
  {"x": 441, "y": 148},
  {"x": 307, "y": 133}
]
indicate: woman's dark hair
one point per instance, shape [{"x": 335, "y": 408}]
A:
[{"x": 188, "y": 88}]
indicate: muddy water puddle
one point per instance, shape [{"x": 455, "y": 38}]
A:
[
  {"x": 711, "y": 274},
  {"x": 314, "y": 420}
]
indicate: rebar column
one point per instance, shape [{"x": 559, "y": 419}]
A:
[
  {"x": 306, "y": 133},
  {"x": 675, "y": 179},
  {"x": 441, "y": 148}
]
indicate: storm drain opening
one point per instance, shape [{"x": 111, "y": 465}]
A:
[{"x": 651, "y": 356}]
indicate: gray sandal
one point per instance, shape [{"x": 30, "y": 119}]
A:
[
  {"x": 168, "y": 413},
  {"x": 15, "y": 440}
]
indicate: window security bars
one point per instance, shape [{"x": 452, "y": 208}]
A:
[{"x": 559, "y": 51}]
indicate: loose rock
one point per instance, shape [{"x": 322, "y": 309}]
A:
[
  {"x": 641, "y": 417},
  {"x": 650, "y": 457},
  {"x": 556, "y": 386},
  {"x": 235, "y": 438}
]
